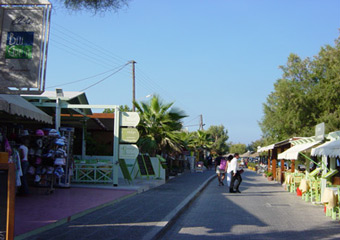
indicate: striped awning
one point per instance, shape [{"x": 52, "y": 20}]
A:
[{"x": 300, "y": 145}]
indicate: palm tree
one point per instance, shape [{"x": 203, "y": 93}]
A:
[
  {"x": 200, "y": 141},
  {"x": 159, "y": 127}
]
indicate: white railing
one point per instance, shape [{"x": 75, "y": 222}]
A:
[{"x": 93, "y": 173}]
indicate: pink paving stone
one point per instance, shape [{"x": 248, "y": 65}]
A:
[{"x": 37, "y": 210}]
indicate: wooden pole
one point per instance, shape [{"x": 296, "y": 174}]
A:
[
  {"x": 293, "y": 166},
  {"x": 9, "y": 200},
  {"x": 133, "y": 86}
]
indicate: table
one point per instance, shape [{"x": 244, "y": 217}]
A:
[{"x": 330, "y": 196}]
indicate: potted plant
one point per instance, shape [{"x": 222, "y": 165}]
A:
[{"x": 270, "y": 176}]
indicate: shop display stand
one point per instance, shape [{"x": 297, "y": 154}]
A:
[
  {"x": 65, "y": 180},
  {"x": 48, "y": 178}
]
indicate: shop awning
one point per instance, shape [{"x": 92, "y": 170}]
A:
[
  {"x": 293, "y": 152},
  {"x": 266, "y": 148},
  {"x": 16, "y": 105},
  {"x": 331, "y": 149}
]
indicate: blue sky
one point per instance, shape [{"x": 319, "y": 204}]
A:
[{"x": 216, "y": 58}]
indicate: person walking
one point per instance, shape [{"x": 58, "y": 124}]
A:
[
  {"x": 235, "y": 175},
  {"x": 209, "y": 162},
  {"x": 220, "y": 167},
  {"x": 229, "y": 158}
]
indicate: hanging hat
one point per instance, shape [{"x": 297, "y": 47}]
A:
[
  {"x": 37, "y": 178},
  {"x": 39, "y": 133},
  {"x": 24, "y": 133},
  {"x": 39, "y": 142},
  {"x": 59, "y": 161},
  {"x": 50, "y": 170},
  {"x": 59, "y": 171},
  {"x": 54, "y": 133},
  {"x": 60, "y": 142},
  {"x": 38, "y": 152}
]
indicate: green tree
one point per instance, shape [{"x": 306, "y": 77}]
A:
[
  {"x": 122, "y": 108},
  {"x": 200, "y": 141},
  {"x": 253, "y": 145},
  {"x": 219, "y": 136},
  {"x": 159, "y": 127},
  {"x": 94, "y": 5},
  {"x": 306, "y": 95},
  {"x": 238, "y": 148}
]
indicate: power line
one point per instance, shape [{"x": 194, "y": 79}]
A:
[
  {"x": 83, "y": 47},
  {"x": 104, "y": 78},
  {"x": 87, "y": 43},
  {"x": 192, "y": 119},
  {"x": 83, "y": 79}
]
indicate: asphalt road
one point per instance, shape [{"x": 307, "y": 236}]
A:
[{"x": 264, "y": 210}]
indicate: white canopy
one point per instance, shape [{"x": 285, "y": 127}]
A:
[
  {"x": 293, "y": 152},
  {"x": 16, "y": 105},
  {"x": 266, "y": 148},
  {"x": 331, "y": 149}
]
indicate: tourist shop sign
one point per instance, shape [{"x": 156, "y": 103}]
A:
[
  {"x": 129, "y": 119},
  {"x": 24, "y": 31},
  {"x": 129, "y": 135},
  {"x": 128, "y": 151}
]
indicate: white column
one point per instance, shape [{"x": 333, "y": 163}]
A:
[
  {"x": 116, "y": 147},
  {"x": 324, "y": 171},
  {"x": 57, "y": 114}
]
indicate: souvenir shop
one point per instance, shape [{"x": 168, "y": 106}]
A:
[{"x": 42, "y": 155}]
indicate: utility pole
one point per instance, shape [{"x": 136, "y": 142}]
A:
[
  {"x": 133, "y": 85},
  {"x": 201, "y": 122}
]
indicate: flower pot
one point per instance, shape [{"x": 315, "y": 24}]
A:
[{"x": 270, "y": 178}]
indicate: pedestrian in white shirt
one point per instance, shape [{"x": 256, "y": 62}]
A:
[
  {"x": 235, "y": 175},
  {"x": 230, "y": 157}
]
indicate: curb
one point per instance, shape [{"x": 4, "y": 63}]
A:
[
  {"x": 162, "y": 226},
  {"x": 70, "y": 218}
]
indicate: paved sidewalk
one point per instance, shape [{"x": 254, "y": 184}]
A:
[
  {"x": 38, "y": 211},
  {"x": 142, "y": 215},
  {"x": 264, "y": 210}
]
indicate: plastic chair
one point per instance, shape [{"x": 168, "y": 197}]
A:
[
  {"x": 288, "y": 185},
  {"x": 296, "y": 182},
  {"x": 315, "y": 189}
]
